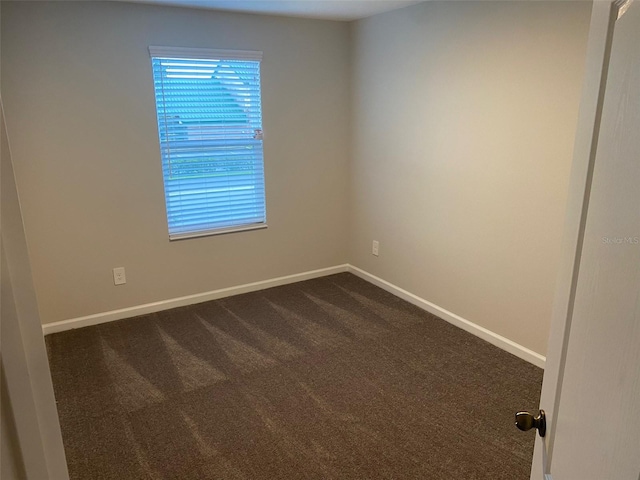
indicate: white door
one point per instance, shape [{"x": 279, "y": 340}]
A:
[{"x": 593, "y": 389}]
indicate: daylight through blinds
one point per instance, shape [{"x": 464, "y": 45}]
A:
[{"x": 210, "y": 129}]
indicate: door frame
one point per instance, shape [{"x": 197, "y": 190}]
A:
[
  {"x": 604, "y": 14},
  {"x": 39, "y": 452}
]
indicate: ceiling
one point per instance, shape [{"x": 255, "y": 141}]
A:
[{"x": 325, "y": 9}]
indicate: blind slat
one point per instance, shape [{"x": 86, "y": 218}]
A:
[{"x": 210, "y": 131}]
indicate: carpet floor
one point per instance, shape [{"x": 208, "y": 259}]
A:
[{"x": 331, "y": 378}]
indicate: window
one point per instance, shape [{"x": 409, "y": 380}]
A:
[{"x": 210, "y": 129}]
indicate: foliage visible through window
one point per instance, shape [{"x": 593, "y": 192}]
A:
[{"x": 210, "y": 129}]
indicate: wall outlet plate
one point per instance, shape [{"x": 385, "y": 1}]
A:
[{"x": 119, "y": 277}]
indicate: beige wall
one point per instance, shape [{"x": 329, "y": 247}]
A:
[
  {"x": 81, "y": 117},
  {"x": 463, "y": 121},
  {"x": 443, "y": 130}
]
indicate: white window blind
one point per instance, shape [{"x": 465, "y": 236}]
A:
[{"x": 210, "y": 129}]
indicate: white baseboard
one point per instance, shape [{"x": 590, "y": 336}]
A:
[
  {"x": 477, "y": 330},
  {"x": 485, "y": 334},
  {"x": 103, "y": 317}
]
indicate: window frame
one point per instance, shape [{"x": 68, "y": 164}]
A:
[{"x": 199, "y": 54}]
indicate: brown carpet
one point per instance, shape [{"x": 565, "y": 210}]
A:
[{"x": 331, "y": 378}]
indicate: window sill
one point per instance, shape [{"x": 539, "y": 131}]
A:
[{"x": 217, "y": 231}]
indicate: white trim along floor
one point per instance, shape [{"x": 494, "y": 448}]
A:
[{"x": 487, "y": 335}]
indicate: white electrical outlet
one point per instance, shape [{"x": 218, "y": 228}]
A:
[
  {"x": 119, "y": 277},
  {"x": 375, "y": 248}
]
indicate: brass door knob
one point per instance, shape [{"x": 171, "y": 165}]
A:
[{"x": 526, "y": 421}]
